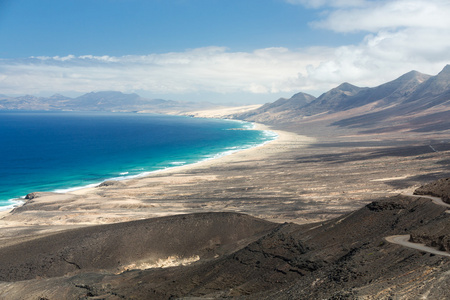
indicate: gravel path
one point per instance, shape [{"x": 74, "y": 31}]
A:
[{"x": 403, "y": 240}]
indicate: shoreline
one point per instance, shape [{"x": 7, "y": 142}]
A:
[
  {"x": 282, "y": 137},
  {"x": 16, "y": 202},
  {"x": 178, "y": 169},
  {"x": 131, "y": 166},
  {"x": 295, "y": 178},
  {"x": 220, "y": 158}
]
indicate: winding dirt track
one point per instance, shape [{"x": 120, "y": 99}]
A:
[
  {"x": 436, "y": 200},
  {"x": 403, "y": 240}
]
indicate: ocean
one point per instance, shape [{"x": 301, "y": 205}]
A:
[{"x": 62, "y": 151}]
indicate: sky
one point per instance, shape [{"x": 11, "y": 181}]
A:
[{"x": 228, "y": 51}]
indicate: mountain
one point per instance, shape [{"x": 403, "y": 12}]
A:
[
  {"x": 106, "y": 101},
  {"x": 423, "y": 105},
  {"x": 296, "y": 102},
  {"x": 282, "y": 108},
  {"x": 341, "y": 97},
  {"x": 24, "y": 102},
  {"x": 437, "y": 88},
  {"x": 98, "y": 101},
  {"x": 414, "y": 101}
]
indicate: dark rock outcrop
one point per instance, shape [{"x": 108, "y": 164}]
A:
[
  {"x": 111, "y": 183},
  {"x": 385, "y": 205},
  {"x": 31, "y": 196}
]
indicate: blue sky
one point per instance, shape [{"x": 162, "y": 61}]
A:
[
  {"x": 241, "y": 51},
  {"x": 140, "y": 27}
]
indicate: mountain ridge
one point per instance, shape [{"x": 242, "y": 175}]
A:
[
  {"x": 409, "y": 102},
  {"x": 281, "y": 107}
]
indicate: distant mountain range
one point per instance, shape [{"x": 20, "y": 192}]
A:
[
  {"x": 414, "y": 101},
  {"x": 98, "y": 101}
]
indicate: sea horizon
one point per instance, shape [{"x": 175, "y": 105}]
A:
[{"x": 220, "y": 139}]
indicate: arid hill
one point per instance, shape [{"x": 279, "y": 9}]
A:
[
  {"x": 118, "y": 247},
  {"x": 241, "y": 257}
]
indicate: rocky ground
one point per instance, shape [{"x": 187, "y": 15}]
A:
[{"x": 238, "y": 256}]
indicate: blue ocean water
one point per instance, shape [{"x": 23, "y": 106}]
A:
[{"x": 55, "y": 151}]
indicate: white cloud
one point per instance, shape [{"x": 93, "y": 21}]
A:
[
  {"x": 211, "y": 69},
  {"x": 380, "y": 57},
  {"x": 389, "y": 15},
  {"x": 402, "y": 35},
  {"x": 384, "y": 56}
]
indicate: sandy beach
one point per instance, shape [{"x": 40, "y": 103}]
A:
[
  {"x": 117, "y": 201},
  {"x": 221, "y": 113}
]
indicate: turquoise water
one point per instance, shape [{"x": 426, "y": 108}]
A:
[{"x": 59, "y": 151}]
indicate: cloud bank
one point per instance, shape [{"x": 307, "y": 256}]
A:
[
  {"x": 399, "y": 36},
  {"x": 211, "y": 69}
]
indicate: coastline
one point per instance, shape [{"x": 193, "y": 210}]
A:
[
  {"x": 295, "y": 178},
  {"x": 279, "y": 144},
  {"x": 13, "y": 203},
  {"x": 282, "y": 141}
]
